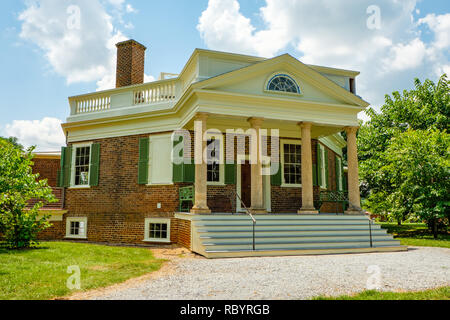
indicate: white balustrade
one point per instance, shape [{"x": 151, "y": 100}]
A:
[{"x": 145, "y": 94}]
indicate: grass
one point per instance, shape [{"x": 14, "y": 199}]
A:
[
  {"x": 416, "y": 234},
  {"x": 434, "y": 294},
  {"x": 41, "y": 273}
]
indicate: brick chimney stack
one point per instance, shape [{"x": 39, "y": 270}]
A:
[{"x": 130, "y": 63}]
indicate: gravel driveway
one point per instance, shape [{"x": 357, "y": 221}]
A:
[{"x": 294, "y": 277}]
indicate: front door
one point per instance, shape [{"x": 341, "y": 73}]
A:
[{"x": 246, "y": 183}]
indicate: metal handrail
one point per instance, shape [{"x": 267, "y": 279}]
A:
[
  {"x": 251, "y": 216},
  {"x": 370, "y": 232}
]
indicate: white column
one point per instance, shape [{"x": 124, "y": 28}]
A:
[
  {"x": 200, "y": 205},
  {"x": 353, "y": 178},
  {"x": 257, "y": 205},
  {"x": 307, "y": 174}
]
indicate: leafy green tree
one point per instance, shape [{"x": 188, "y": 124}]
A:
[
  {"x": 418, "y": 163},
  {"x": 13, "y": 140},
  {"x": 427, "y": 106},
  {"x": 20, "y": 225}
]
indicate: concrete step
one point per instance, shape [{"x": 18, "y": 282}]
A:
[
  {"x": 303, "y": 245},
  {"x": 286, "y": 233},
  {"x": 234, "y": 222},
  {"x": 280, "y": 227},
  {"x": 283, "y": 252},
  {"x": 207, "y": 241}
]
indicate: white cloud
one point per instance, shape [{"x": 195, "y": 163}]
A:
[
  {"x": 406, "y": 56},
  {"x": 334, "y": 33},
  {"x": 46, "y": 134},
  {"x": 79, "y": 43}
]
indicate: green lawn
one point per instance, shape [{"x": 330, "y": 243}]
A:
[
  {"x": 434, "y": 294},
  {"x": 42, "y": 273},
  {"x": 416, "y": 234}
]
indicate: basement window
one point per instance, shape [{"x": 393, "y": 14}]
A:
[
  {"x": 76, "y": 228},
  {"x": 157, "y": 230}
]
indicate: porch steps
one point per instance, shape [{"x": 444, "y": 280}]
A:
[{"x": 220, "y": 236}]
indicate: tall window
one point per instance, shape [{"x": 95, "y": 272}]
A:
[
  {"x": 82, "y": 157},
  {"x": 292, "y": 166},
  {"x": 213, "y": 164},
  {"x": 283, "y": 83},
  {"x": 323, "y": 169},
  {"x": 340, "y": 183}
]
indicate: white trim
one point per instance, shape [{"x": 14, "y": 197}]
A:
[
  {"x": 282, "y": 143},
  {"x": 83, "y": 220},
  {"x": 75, "y": 146},
  {"x": 340, "y": 174},
  {"x": 332, "y": 143},
  {"x": 147, "y": 229}
]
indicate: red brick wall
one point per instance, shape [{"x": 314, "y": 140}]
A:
[
  {"x": 183, "y": 232},
  {"x": 47, "y": 169}
]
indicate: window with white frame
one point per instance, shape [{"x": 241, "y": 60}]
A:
[
  {"x": 323, "y": 169},
  {"x": 81, "y": 162},
  {"x": 213, "y": 164},
  {"x": 292, "y": 163},
  {"x": 76, "y": 227},
  {"x": 157, "y": 230}
]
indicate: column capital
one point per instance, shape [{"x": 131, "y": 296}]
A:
[
  {"x": 201, "y": 116},
  {"x": 353, "y": 129},
  {"x": 255, "y": 122},
  {"x": 305, "y": 124}
]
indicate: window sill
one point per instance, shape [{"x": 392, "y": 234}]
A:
[
  {"x": 75, "y": 238},
  {"x": 215, "y": 184},
  {"x": 78, "y": 187},
  {"x": 160, "y": 184},
  {"x": 291, "y": 186},
  {"x": 157, "y": 240}
]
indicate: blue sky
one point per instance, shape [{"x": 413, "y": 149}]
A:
[{"x": 43, "y": 62}]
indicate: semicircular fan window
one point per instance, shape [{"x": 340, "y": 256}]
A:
[{"x": 283, "y": 83}]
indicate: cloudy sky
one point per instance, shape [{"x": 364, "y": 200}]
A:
[{"x": 52, "y": 49}]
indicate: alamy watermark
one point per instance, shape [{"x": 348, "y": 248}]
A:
[
  {"x": 374, "y": 19},
  {"x": 374, "y": 280},
  {"x": 74, "y": 281}
]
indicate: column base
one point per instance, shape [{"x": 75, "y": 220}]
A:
[
  {"x": 258, "y": 211},
  {"x": 354, "y": 212},
  {"x": 308, "y": 211},
  {"x": 200, "y": 211}
]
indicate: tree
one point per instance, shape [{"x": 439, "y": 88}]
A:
[
  {"x": 12, "y": 140},
  {"x": 418, "y": 163},
  {"x": 427, "y": 106},
  {"x": 18, "y": 185}
]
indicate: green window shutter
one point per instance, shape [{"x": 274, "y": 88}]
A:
[
  {"x": 230, "y": 173},
  {"x": 95, "y": 165},
  {"x": 337, "y": 168},
  {"x": 319, "y": 165},
  {"x": 327, "y": 178},
  {"x": 275, "y": 179},
  {"x": 314, "y": 169},
  {"x": 189, "y": 172},
  {"x": 144, "y": 145},
  {"x": 178, "y": 169},
  {"x": 67, "y": 166}
]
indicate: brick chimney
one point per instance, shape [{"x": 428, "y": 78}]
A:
[{"x": 130, "y": 63}]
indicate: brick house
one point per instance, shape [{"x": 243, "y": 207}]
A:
[{"x": 242, "y": 134}]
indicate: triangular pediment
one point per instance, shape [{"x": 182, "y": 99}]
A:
[{"x": 254, "y": 80}]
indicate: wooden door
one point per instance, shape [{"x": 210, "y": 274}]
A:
[{"x": 246, "y": 184}]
